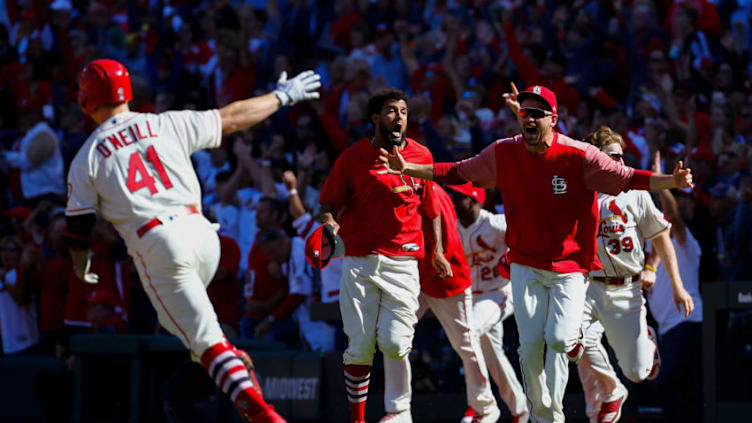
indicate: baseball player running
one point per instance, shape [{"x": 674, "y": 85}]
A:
[
  {"x": 381, "y": 229},
  {"x": 614, "y": 301},
  {"x": 548, "y": 182},
  {"x": 482, "y": 234},
  {"x": 450, "y": 300},
  {"x": 135, "y": 171}
]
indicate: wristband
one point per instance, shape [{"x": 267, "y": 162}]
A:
[
  {"x": 264, "y": 162},
  {"x": 293, "y": 191},
  {"x": 271, "y": 318},
  {"x": 651, "y": 268}
]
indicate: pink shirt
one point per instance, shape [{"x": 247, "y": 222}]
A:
[{"x": 549, "y": 198}]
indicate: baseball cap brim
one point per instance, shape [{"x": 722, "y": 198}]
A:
[{"x": 526, "y": 94}]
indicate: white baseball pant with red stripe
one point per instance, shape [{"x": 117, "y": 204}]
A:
[
  {"x": 490, "y": 309},
  {"x": 548, "y": 311},
  {"x": 176, "y": 261},
  {"x": 455, "y": 314}
]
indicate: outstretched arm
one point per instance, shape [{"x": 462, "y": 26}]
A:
[{"x": 242, "y": 114}]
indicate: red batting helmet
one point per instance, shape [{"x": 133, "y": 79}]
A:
[{"x": 103, "y": 81}]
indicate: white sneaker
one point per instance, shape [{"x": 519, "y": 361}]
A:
[
  {"x": 490, "y": 417},
  {"x": 400, "y": 417}
]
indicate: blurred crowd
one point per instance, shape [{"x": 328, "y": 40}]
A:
[{"x": 670, "y": 76}]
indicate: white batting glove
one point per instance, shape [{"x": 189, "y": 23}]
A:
[
  {"x": 81, "y": 264},
  {"x": 302, "y": 87}
]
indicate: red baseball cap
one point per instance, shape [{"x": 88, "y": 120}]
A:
[
  {"x": 479, "y": 194},
  {"x": 539, "y": 91},
  {"x": 322, "y": 246}
]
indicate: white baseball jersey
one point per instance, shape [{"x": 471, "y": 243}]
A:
[
  {"x": 625, "y": 222},
  {"x": 483, "y": 242},
  {"x": 136, "y": 166}
]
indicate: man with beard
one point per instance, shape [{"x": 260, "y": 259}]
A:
[
  {"x": 380, "y": 223},
  {"x": 548, "y": 182}
]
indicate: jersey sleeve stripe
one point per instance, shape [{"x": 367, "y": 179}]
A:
[
  {"x": 76, "y": 212},
  {"x": 218, "y": 122}
]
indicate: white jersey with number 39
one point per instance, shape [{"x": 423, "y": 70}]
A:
[
  {"x": 136, "y": 166},
  {"x": 625, "y": 222}
]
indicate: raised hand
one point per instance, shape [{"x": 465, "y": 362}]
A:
[
  {"x": 511, "y": 100},
  {"x": 291, "y": 182},
  {"x": 682, "y": 176},
  {"x": 303, "y": 87},
  {"x": 656, "y": 166},
  {"x": 393, "y": 163}
]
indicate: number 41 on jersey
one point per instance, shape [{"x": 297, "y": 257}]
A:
[{"x": 139, "y": 177}]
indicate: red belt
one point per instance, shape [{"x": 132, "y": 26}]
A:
[
  {"x": 156, "y": 222},
  {"x": 608, "y": 280}
]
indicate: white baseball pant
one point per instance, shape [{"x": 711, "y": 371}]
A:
[
  {"x": 455, "y": 315},
  {"x": 176, "y": 261},
  {"x": 490, "y": 309},
  {"x": 378, "y": 301},
  {"x": 621, "y": 310},
  {"x": 599, "y": 380},
  {"x": 548, "y": 311}
]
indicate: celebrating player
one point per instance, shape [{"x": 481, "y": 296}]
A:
[
  {"x": 482, "y": 234},
  {"x": 548, "y": 182},
  {"x": 450, "y": 300},
  {"x": 135, "y": 171},
  {"x": 614, "y": 300},
  {"x": 381, "y": 229}
]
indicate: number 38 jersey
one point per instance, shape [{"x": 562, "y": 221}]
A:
[
  {"x": 484, "y": 245},
  {"x": 625, "y": 222},
  {"x": 136, "y": 166}
]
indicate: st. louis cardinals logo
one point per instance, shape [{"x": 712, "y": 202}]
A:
[
  {"x": 559, "y": 184},
  {"x": 613, "y": 208},
  {"x": 412, "y": 186},
  {"x": 482, "y": 244}
]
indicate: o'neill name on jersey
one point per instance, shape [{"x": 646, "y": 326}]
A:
[{"x": 124, "y": 138}]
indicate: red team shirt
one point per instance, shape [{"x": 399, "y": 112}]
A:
[
  {"x": 549, "y": 198},
  {"x": 430, "y": 282},
  {"x": 379, "y": 211}
]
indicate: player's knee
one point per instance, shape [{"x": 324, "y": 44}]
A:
[
  {"x": 636, "y": 374},
  {"x": 396, "y": 349},
  {"x": 559, "y": 344}
]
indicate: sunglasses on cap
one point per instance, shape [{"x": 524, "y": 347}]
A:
[
  {"x": 614, "y": 155},
  {"x": 534, "y": 112}
]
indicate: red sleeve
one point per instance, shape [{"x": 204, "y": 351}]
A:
[
  {"x": 530, "y": 74},
  {"x": 335, "y": 187},
  {"x": 288, "y": 305},
  {"x": 447, "y": 173},
  {"x": 336, "y": 134},
  {"x": 640, "y": 180},
  {"x": 603, "y": 174},
  {"x": 430, "y": 202}
]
